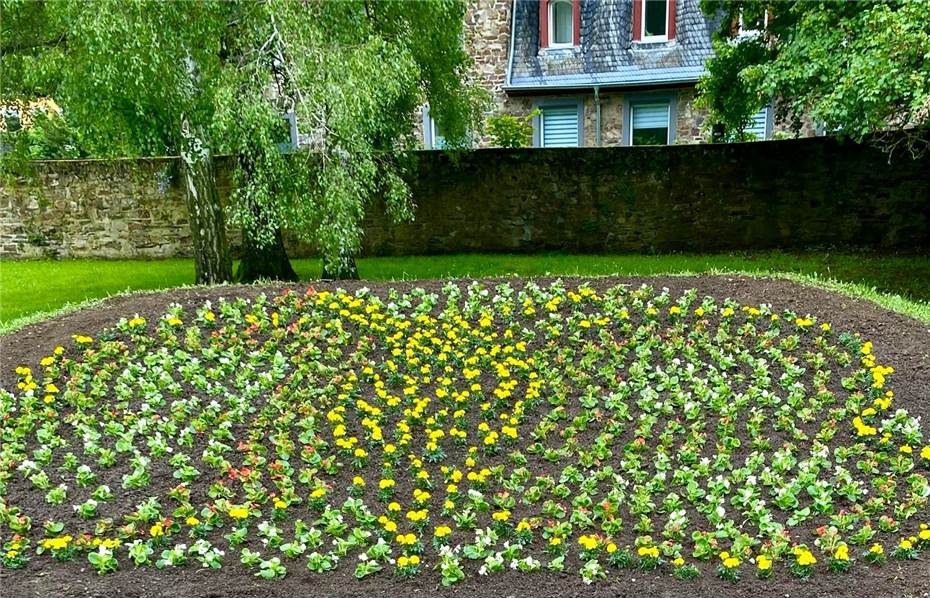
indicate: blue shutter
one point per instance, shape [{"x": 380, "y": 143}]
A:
[
  {"x": 560, "y": 127},
  {"x": 759, "y": 123},
  {"x": 650, "y": 116}
]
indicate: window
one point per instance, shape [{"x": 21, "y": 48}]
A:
[
  {"x": 752, "y": 27},
  {"x": 655, "y": 20},
  {"x": 438, "y": 140},
  {"x": 760, "y": 124},
  {"x": 561, "y": 24},
  {"x": 558, "y": 125},
  {"x": 650, "y": 123}
]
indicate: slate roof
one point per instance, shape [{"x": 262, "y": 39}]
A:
[{"x": 607, "y": 55}]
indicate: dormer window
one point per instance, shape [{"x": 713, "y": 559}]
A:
[
  {"x": 559, "y": 23},
  {"x": 653, "y": 20},
  {"x": 752, "y": 27}
]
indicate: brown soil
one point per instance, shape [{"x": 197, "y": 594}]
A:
[{"x": 899, "y": 340}]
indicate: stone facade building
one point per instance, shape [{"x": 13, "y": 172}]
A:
[{"x": 601, "y": 72}]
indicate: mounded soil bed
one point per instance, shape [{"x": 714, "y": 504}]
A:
[{"x": 898, "y": 340}]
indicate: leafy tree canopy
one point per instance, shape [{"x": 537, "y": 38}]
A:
[
  {"x": 855, "y": 67},
  {"x": 198, "y": 77}
]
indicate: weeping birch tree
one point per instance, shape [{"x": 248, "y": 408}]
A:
[
  {"x": 355, "y": 73},
  {"x": 199, "y": 77}
]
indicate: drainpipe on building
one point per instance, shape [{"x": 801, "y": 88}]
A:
[{"x": 597, "y": 116}]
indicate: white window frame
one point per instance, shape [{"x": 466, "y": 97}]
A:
[
  {"x": 552, "y": 24},
  {"x": 434, "y": 137},
  {"x": 632, "y": 100},
  {"x": 741, "y": 31},
  {"x": 642, "y": 24}
]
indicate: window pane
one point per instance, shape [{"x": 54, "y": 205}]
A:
[
  {"x": 650, "y": 136},
  {"x": 757, "y": 128},
  {"x": 650, "y": 123},
  {"x": 655, "y": 19},
  {"x": 560, "y": 127},
  {"x": 439, "y": 140},
  {"x": 561, "y": 22}
]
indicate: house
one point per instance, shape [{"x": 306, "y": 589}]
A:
[{"x": 601, "y": 72}]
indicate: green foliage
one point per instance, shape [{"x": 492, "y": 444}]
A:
[
  {"x": 355, "y": 73},
  {"x": 507, "y": 130},
  {"x": 855, "y": 67},
  {"x": 733, "y": 104},
  {"x": 144, "y": 77}
]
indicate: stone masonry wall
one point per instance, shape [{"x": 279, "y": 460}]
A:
[{"x": 779, "y": 194}]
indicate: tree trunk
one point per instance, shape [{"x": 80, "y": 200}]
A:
[
  {"x": 264, "y": 262},
  {"x": 345, "y": 268},
  {"x": 212, "y": 264}
]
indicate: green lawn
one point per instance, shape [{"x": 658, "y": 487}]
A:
[{"x": 29, "y": 287}]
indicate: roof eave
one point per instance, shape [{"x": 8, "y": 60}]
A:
[{"x": 599, "y": 84}]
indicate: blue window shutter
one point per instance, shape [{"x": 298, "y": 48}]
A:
[
  {"x": 560, "y": 126},
  {"x": 650, "y": 116},
  {"x": 759, "y": 123}
]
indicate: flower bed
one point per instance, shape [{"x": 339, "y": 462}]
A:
[{"x": 465, "y": 432}]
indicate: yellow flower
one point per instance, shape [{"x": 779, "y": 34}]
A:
[
  {"x": 414, "y": 560},
  {"x": 361, "y": 453},
  {"x": 678, "y": 562},
  {"x": 588, "y": 542},
  {"x": 731, "y": 562},
  {"x": 501, "y": 515},
  {"x": 318, "y": 493},
  {"x": 841, "y": 553},
  {"x": 555, "y": 541},
  {"x": 279, "y": 504},
  {"x": 924, "y": 534},
  {"x": 209, "y": 316},
  {"x": 402, "y": 561},
  {"x": 385, "y": 484},
  {"x": 806, "y": 558},
  {"x": 58, "y": 543},
  {"x": 825, "y": 327},
  {"x": 906, "y": 449},
  {"x": 925, "y": 453},
  {"x": 699, "y": 312},
  {"x": 727, "y": 312},
  {"x": 763, "y": 562},
  {"x": 650, "y": 551},
  {"x": 674, "y": 310},
  {"x": 192, "y": 521},
  {"x": 877, "y": 549},
  {"x": 442, "y": 531},
  {"x": 47, "y": 361},
  {"x": 238, "y": 512},
  {"x": 905, "y": 544},
  {"x": 157, "y": 530}
]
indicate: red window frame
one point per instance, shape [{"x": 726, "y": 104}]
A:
[
  {"x": 671, "y": 13},
  {"x": 544, "y": 23}
]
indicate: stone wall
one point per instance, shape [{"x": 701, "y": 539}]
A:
[
  {"x": 798, "y": 193},
  {"x": 99, "y": 209},
  {"x": 788, "y": 194}
]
